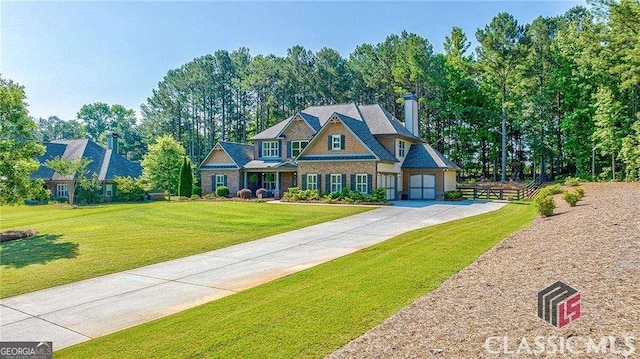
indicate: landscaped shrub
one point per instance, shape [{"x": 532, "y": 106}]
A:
[
  {"x": 196, "y": 191},
  {"x": 222, "y": 191},
  {"x": 296, "y": 194},
  {"x": 195, "y": 196},
  {"x": 551, "y": 190},
  {"x": 261, "y": 192},
  {"x": 379, "y": 195},
  {"x": 580, "y": 192},
  {"x": 544, "y": 205},
  {"x": 244, "y": 193},
  {"x": 329, "y": 199},
  {"x": 571, "y": 198},
  {"x": 452, "y": 195},
  {"x": 129, "y": 189},
  {"x": 209, "y": 196},
  {"x": 571, "y": 182},
  {"x": 89, "y": 190}
]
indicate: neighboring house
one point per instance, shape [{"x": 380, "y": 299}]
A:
[
  {"x": 328, "y": 148},
  {"x": 105, "y": 163}
]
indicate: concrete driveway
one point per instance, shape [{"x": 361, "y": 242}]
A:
[{"x": 80, "y": 311}]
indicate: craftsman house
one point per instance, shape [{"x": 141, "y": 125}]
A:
[
  {"x": 106, "y": 163},
  {"x": 328, "y": 148}
]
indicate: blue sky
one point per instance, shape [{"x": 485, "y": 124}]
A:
[{"x": 68, "y": 54}]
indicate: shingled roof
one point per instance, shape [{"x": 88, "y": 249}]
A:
[
  {"x": 422, "y": 155},
  {"x": 240, "y": 154},
  {"x": 104, "y": 163}
]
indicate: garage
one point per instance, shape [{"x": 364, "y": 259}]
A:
[
  {"x": 422, "y": 186},
  {"x": 388, "y": 181}
]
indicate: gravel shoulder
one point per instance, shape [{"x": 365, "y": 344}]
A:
[{"x": 593, "y": 247}]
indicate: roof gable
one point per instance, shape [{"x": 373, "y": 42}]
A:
[
  {"x": 240, "y": 154},
  {"x": 424, "y": 156}
]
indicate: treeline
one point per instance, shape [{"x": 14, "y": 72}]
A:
[{"x": 558, "y": 95}]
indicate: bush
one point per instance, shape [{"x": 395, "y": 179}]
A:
[
  {"x": 196, "y": 191},
  {"x": 550, "y": 190},
  {"x": 209, "y": 196},
  {"x": 261, "y": 192},
  {"x": 222, "y": 191},
  {"x": 296, "y": 194},
  {"x": 129, "y": 189},
  {"x": 544, "y": 205},
  {"x": 379, "y": 195},
  {"x": 452, "y": 195},
  {"x": 329, "y": 199},
  {"x": 89, "y": 190},
  {"x": 571, "y": 198},
  {"x": 195, "y": 196},
  {"x": 572, "y": 182},
  {"x": 580, "y": 192},
  {"x": 244, "y": 193}
]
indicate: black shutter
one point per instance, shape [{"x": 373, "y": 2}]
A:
[
  {"x": 225, "y": 180},
  {"x": 280, "y": 154},
  {"x": 344, "y": 181},
  {"x": 319, "y": 182},
  {"x": 329, "y": 142},
  {"x": 353, "y": 182},
  {"x": 328, "y": 184},
  {"x": 289, "y": 154},
  {"x": 369, "y": 183},
  {"x": 259, "y": 149},
  {"x": 304, "y": 181},
  {"x": 342, "y": 138},
  {"x": 213, "y": 183}
]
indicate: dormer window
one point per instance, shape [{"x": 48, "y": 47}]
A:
[
  {"x": 401, "y": 148},
  {"x": 336, "y": 142},
  {"x": 270, "y": 149}
]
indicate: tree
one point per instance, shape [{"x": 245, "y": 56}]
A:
[
  {"x": 18, "y": 146},
  {"x": 53, "y": 128},
  {"x": 186, "y": 179},
  {"x": 607, "y": 117},
  {"x": 501, "y": 50},
  {"x": 161, "y": 165},
  {"x": 72, "y": 170},
  {"x": 100, "y": 119}
]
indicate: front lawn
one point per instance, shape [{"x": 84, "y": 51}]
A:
[
  {"x": 313, "y": 312},
  {"x": 86, "y": 242}
]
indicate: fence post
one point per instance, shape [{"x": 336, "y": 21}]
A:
[
  {"x": 475, "y": 193},
  {"x": 501, "y": 192}
]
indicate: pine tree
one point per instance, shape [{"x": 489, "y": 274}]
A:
[{"x": 186, "y": 179}]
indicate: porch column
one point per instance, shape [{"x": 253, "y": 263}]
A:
[
  {"x": 245, "y": 180},
  {"x": 278, "y": 181}
]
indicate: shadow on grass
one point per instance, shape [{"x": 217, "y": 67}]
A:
[{"x": 36, "y": 250}]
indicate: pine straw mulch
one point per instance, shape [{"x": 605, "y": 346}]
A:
[{"x": 593, "y": 247}]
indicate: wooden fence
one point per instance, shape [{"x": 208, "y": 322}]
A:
[{"x": 511, "y": 194}]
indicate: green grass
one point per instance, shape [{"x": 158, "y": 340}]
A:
[
  {"x": 313, "y": 312},
  {"x": 86, "y": 242}
]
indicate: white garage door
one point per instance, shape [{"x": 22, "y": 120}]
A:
[
  {"x": 422, "y": 187},
  {"x": 388, "y": 181}
]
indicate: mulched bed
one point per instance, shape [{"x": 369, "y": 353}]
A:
[{"x": 593, "y": 247}]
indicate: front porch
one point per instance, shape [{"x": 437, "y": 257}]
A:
[{"x": 276, "y": 178}]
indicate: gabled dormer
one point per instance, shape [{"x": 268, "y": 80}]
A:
[{"x": 287, "y": 139}]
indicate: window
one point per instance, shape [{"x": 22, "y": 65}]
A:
[
  {"x": 219, "y": 181},
  {"x": 361, "y": 183},
  {"x": 336, "y": 142},
  {"x": 336, "y": 182},
  {"x": 62, "y": 190},
  {"x": 108, "y": 190},
  {"x": 297, "y": 147},
  {"x": 270, "y": 149},
  {"x": 312, "y": 182},
  {"x": 401, "y": 149}
]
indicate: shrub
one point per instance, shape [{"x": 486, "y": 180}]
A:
[
  {"x": 572, "y": 182},
  {"x": 452, "y": 195},
  {"x": 571, "y": 198},
  {"x": 379, "y": 195},
  {"x": 222, "y": 191},
  {"x": 209, "y": 196},
  {"x": 196, "y": 191},
  {"x": 550, "y": 190},
  {"x": 544, "y": 205},
  {"x": 580, "y": 192},
  {"x": 261, "y": 192},
  {"x": 244, "y": 193},
  {"x": 129, "y": 189},
  {"x": 329, "y": 199},
  {"x": 195, "y": 196},
  {"x": 89, "y": 190}
]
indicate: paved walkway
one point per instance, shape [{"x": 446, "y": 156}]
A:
[{"x": 80, "y": 311}]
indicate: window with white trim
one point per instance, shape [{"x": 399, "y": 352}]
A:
[
  {"x": 270, "y": 149},
  {"x": 361, "y": 183},
  {"x": 401, "y": 148},
  {"x": 312, "y": 181},
  {"x": 219, "y": 181},
  {"x": 297, "y": 147},
  {"x": 336, "y": 142},
  {"x": 62, "y": 190},
  {"x": 108, "y": 190},
  {"x": 336, "y": 182}
]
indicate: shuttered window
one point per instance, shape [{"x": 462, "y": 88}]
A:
[
  {"x": 336, "y": 182},
  {"x": 312, "y": 181},
  {"x": 270, "y": 149},
  {"x": 362, "y": 184}
]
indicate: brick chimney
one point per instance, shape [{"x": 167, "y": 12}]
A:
[
  {"x": 112, "y": 141},
  {"x": 411, "y": 121}
]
